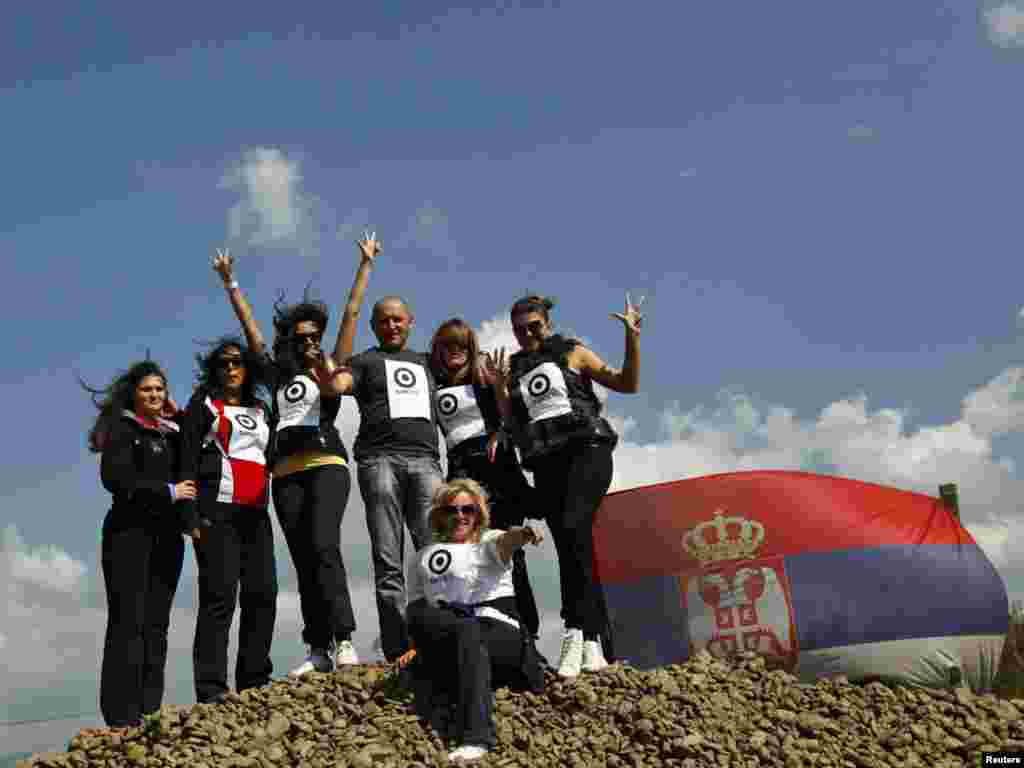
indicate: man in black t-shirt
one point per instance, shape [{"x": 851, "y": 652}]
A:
[{"x": 398, "y": 458}]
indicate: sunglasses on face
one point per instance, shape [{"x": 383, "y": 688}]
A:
[
  {"x": 461, "y": 509},
  {"x": 227, "y": 363},
  {"x": 534, "y": 327},
  {"x": 301, "y": 339}
]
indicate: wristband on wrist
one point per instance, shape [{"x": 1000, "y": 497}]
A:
[
  {"x": 231, "y": 285},
  {"x": 171, "y": 487}
]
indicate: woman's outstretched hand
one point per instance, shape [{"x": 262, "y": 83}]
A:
[
  {"x": 631, "y": 318},
  {"x": 496, "y": 368},
  {"x": 224, "y": 265},
  {"x": 369, "y": 246}
]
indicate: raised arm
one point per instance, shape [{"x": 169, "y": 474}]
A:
[
  {"x": 515, "y": 538},
  {"x": 369, "y": 247},
  {"x": 626, "y": 379},
  {"x": 335, "y": 380},
  {"x": 224, "y": 265}
]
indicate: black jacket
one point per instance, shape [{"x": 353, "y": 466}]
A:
[{"x": 139, "y": 463}]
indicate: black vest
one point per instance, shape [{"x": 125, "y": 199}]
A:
[{"x": 553, "y": 404}]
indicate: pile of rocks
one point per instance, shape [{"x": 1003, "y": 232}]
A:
[{"x": 702, "y": 713}]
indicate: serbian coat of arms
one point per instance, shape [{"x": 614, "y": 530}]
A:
[{"x": 737, "y": 601}]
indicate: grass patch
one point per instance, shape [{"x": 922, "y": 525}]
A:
[{"x": 1010, "y": 680}]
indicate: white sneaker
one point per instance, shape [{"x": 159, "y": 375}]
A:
[
  {"x": 467, "y": 752},
  {"x": 570, "y": 659},
  {"x": 345, "y": 654},
  {"x": 593, "y": 657},
  {"x": 318, "y": 660}
]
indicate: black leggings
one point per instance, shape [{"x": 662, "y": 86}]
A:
[
  {"x": 310, "y": 506},
  {"x": 236, "y": 550},
  {"x": 571, "y": 485},
  {"x": 511, "y": 497},
  {"x": 467, "y": 657},
  {"x": 142, "y": 562}
]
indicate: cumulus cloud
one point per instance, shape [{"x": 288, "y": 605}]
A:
[
  {"x": 48, "y": 567},
  {"x": 851, "y": 439},
  {"x": 273, "y": 209},
  {"x": 1004, "y": 24}
]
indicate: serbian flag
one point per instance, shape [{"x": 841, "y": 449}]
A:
[{"x": 823, "y": 574}]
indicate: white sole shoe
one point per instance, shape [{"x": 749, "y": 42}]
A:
[
  {"x": 570, "y": 660},
  {"x": 345, "y": 654},
  {"x": 593, "y": 657},
  {"x": 467, "y": 753},
  {"x": 317, "y": 661}
]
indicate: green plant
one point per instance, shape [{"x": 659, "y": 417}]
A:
[{"x": 152, "y": 726}]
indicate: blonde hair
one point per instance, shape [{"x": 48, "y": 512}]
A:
[{"x": 443, "y": 497}]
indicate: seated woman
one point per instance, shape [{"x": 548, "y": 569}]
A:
[{"x": 462, "y": 613}]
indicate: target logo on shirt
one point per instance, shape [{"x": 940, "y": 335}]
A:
[
  {"x": 539, "y": 384},
  {"x": 408, "y": 390},
  {"x": 245, "y": 421},
  {"x": 447, "y": 404},
  {"x": 405, "y": 377},
  {"x": 295, "y": 391},
  {"x": 439, "y": 561}
]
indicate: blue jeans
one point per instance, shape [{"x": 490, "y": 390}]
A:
[{"x": 396, "y": 489}]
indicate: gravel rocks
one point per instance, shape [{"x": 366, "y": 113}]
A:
[{"x": 705, "y": 712}]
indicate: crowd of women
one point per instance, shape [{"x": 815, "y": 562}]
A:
[{"x": 261, "y": 424}]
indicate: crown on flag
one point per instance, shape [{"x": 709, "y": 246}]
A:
[{"x": 724, "y": 538}]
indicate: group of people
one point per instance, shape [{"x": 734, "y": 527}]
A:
[{"x": 261, "y": 423}]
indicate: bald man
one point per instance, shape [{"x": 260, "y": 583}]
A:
[{"x": 398, "y": 457}]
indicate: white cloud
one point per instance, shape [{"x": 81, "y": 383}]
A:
[
  {"x": 1005, "y": 24},
  {"x": 48, "y": 567},
  {"x": 851, "y": 440},
  {"x": 273, "y": 208}
]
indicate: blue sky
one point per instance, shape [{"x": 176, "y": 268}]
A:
[{"x": 820, "y": 202}]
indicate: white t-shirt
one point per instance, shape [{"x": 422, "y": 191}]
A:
[{"x": 463, "y": 573}]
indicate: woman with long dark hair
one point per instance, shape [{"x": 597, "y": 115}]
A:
[
  {"x": 311, "y": 481},
  {"x": 225, "y": 435},
  {"x": 477, "y": 446},
  {"x": 547, "y": 396},
  {"x": 142, "y": 544}
]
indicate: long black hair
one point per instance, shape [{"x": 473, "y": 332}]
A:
[
  {"x": 118, "y": 396},
  {"x": 207, "y": 371},
  {"x": 286, "y": 317}
]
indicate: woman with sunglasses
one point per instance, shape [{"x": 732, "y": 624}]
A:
[
  {"x": 547, "y": 396},
  {"x": 142, "y": 544},
  {"x": 311, "y": 481},
  {"x": 477, "y": 447},
  {"x": 225, "y": 433},
  {"x": 462, "y": 614}
]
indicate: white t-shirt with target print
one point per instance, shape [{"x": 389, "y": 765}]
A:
[
  {"x": 459, "y": 414},
  {"x": 468, "y": 574},
  {"x": 545, "y": 393}
]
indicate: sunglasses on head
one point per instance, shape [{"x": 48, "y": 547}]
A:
[
  {"x": 461, "y": 509},
  {"x": 533, "y": 326},
  {"x": 311, "y": 338},
  {"x": 226, "y": 363}
]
